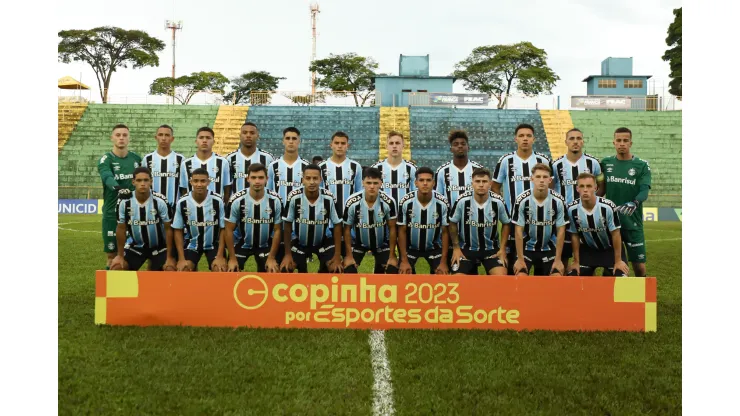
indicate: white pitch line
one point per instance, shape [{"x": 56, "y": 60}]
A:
[
  {"x": 382, "y": 388},
  {"x": 667, "y": 239},
  {"x": 59, "y": 226}
]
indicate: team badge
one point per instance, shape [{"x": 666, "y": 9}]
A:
[
  {"x": 215, "y": 170},
  {"x": 631, "y": 172},
  {"x": 609, "y": 170},
  {"x": 111, "y": 246},
  {"x": 586, "y": 170},
  {"x": 380, "y": 215},
  {"x": 116, "y": 168},
  {"x": 153, "y": 211},
  {"x": 268, "y": 211},
  {"x": 323, "y": 211},
  {"x": 212, "y": 212},
  {"x": 435, "y": 215},
  {"x": 136, "y": 164}
]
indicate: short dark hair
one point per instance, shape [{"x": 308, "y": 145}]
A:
[
  {"x": 541, "y": 166},
  {"x": 523, "y": 126},
  {"x": 585, "y": 175},
  {"x": 395, "y": 133},
  {"x": 256, "y": 167},
  {"x": 206, "y": 128},
  {"x": 567, "y": 133},
  {"x": 312, "y": 166},
  {"x": 317, "y": 157},
  {"x": 623, "y": 130},
  {"x": 340, "y": 134},
  {"x": 142, "y": 169},
  {"x": 481, "y": 172},
  {"x": 458, "y": 134},
  {"x": 200, "y": 171},
  {"x": 249, "y": 123},
  {"x": 371, "y": 173},
  {"x": 291, "y": 129},
  {"x": 119, "y": 126},
  {"x": 424, "y": 169},
  {"x": 165, "y": 126}
]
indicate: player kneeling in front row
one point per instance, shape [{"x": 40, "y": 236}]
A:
[
  {"x": 422, "y": 226},
  {"x": 258, "y": 214},
  {"x": 202, "y": 213},
  {"x": 371, "y": 214},
  {"x": 474, "y": 228},
  {"x": 540, "y": 220},
  {"x": 596, "y": 238},
  {"x": 146, "y": 218},
  {"x": 309, "y": 212}
]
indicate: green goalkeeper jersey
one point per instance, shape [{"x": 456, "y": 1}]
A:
[
  {"x": 116, "y": 171},
  {"x": 623, "y": 181}
]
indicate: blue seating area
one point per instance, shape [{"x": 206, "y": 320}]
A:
[
  {"x": 317, "y": 124},
  {"x": 491, "y": 133}
]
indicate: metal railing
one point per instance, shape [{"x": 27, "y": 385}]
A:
[
  {"x": 80, "y": 192},
  {"x": 305, "y": 98}
]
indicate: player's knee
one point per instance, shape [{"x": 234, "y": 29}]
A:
[{"x": 497, "y": 271}]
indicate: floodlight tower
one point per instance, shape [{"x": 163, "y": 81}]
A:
[
  {"x": 314, "y": 13},
  {"x": 174, "y": 26}
]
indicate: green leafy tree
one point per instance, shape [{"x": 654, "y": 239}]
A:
[
  {"x": 346, "y": 72},
  {"x": 186, "y": 86},
  {"x": 108, "y": 48},
  {"x": 496, "y": 70},
  {"x": 241, "y": 87},
  {"x": 673, "y": 55}
]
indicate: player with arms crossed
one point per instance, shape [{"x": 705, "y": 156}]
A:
[
  {"x": 285, "y": 173},
  {"x": 513, "y": 175},
  {"x": 258, "y": 214},
  {"x": 202, "y": 212},
  {"x": 398, "y": 174},
  {"x": 540, "y": 220},
  {"x": 309, "y": 212},
  {"x": 628, "y": 181},
  {"x": 216, "y": 166},
  {"x": 146, "y": 217},
  {"x": 165, "y": 166},
  {"x": 566, "y": 169},
  {"x": 423, "y": 226},
  {"x": 595, "y": 236},
  {"x": 372, "y": 215},
  {"x": 116, "y": 169},
  {"x": 474, "y": 220},
  {"x": 456, "y": 177},
  {"x": 247, "y": 153}
]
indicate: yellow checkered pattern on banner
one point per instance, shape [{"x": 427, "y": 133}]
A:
[
  {"x": 119, "y": 284},
  {"x": 394, "y": 118},
  {"x": 632, "y": 290}
]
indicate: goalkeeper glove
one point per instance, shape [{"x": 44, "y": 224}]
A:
[
  {"x": 627, "y": 208},
  {"x": 123, "y": 193}
]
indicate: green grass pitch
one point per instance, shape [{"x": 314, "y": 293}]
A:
[{"x": 172, "y": 370}]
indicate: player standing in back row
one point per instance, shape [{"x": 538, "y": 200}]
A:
[
  {"x": 247, "y": 153},
  {"x": 284, "y": 175},
  {"x": 398, "y": 174},
  {"x": 215, "y": 165},
  {"x": 565, "y": 171},
  {"x": 116, "y": 169},
  {"x": 513, "y": 175},
  {"x": 454, "y": 178},
  {"x": 628, "y": 181},
  {"x": 164, "y": 164}
]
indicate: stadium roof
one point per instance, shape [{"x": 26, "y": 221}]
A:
[
  {"x": 616, "y": 76},
  {"x": 69, "y": 83},
  {"x": 415, "y": 76}
]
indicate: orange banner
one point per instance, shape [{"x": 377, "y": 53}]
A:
[{"x": 375, "y": 301}]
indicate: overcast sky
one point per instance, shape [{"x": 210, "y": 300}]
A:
[{"x": 237, "y": 36}]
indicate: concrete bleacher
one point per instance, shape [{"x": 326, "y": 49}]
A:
[
  {"x": 77, "y": 168},
  {"x": 656, "y": 137},
  {"x": 317, "y": 124},
  {"x": 491, "y": 133}
]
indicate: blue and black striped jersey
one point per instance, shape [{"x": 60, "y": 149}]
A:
[
  {"x": 342, "y": 180},
  {"x": 398, "y": 181},
  {"x": 239, "y": 167},
  {"x": 477, "y": 224},
  {"x": 565, "y": 174},
  {"x": 540, "y": 220},
  {"x": 165, "y": 174},
  {"x": 451, "y": 182},
  {"x": 284, "y": 178},
  {"x": 145, "y": 221},
  {"x": 202, "y": 222},
  {"x": 370, "y": 223},
  {"x": 423, "y": 223},
  {"x": 311, "y": 221},
  {"x": 218, "y": 171},
  {"x": 594, "y": 227},
  {"x": 515, "y": 175},
  {"x": 255, "y": 220}
]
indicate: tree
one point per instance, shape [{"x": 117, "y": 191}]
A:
[
  {"x": 240, "y": 90},
  {"x": 497, "y": 69},
  {"x": 108, "y": 48},
  {"x": 186, "y": 86},
  {"x": 346, "y": 72},
  {"x": 673, "y": 55}
]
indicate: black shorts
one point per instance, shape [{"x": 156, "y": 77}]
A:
[
  {"x": 195, "y": 255},
  {"x": 260, "y": 257},
  {"x": 469, "y": 265},
  {"x": 591, "y": 259},
  {"x": 567, "y": 252},
  {"x": 433, "y": 258},
  {"x": 301, "y": 254},
  {"x": 541, "y": 261},
  {"x": 136, "y": 257},
  {"x": 381, "y": 258},
  {"x": 510, "y": 257}
]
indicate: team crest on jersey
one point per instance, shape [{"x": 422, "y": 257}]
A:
[
  {"x": 268, "y": 211},
  {"x": 136, "y": 165},
  {"x": 153, "y": 211},
  {"x": 111, "y": 246},
  {"x": 116, "y": 167},
  {"x": 215, "y": 170},
  {"x": 631, "y": 172},
  {"x": 609, "y": 169},
  {"x": 323, "y": 211},
  {"x": 435, "y": 215}
]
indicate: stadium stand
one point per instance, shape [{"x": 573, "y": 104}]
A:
[
  {"x": 77, "y": 169},
  {"x": 227, "y": 127},
  {"x": 69, "y": 114},
  {"x": 656, "y": 137},
  {"x": 394, "y": 119},
  {"x": 556, "y": 124}
]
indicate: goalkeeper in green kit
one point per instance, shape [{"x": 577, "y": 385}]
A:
[
  {"x": 116, "y": 170},
  {"x": 627, "y": 182}
]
